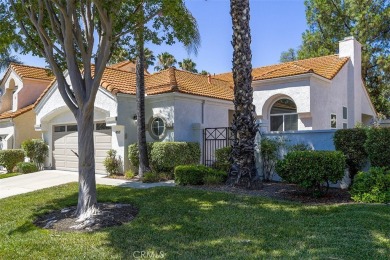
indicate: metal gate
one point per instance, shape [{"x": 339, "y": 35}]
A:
[{"x": 213, "y": 139}]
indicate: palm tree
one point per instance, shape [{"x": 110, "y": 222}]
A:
[
  {"x": 188, "y": 65},
  {"x": 149, "y": 58},
  {"x": 204, "y": 72},
  {"x": 244, "y": 128},
  {"x": 165, "y": 60},
  {"x": 6, "y": 59}
]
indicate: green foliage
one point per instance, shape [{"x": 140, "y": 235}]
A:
[
  {"x": 188, "y": 65},
  {"x": 311, "y": 169},
  {"x": 112, "y": 163},
  {"x": 165, "y": 60},
  {"x": 9, "y": 158},
  {"x": 369, "y": 22},
  {"x": 351, "y": 143},
  {"x": 26, "y": 167},
  {"x": 150, "y": 177},
  {"x": 299, "y": 147},
  {"x": 269, "y": 153},
  {"x": 289, "y": 55},
  {"x": 129, "y": 174},
  {"x": 198, "y": 175},
  {"x": 222, "y": 156},
  {"x": 134, "y": 154},
  {"x": 36, "y": 150},
  {"x": 377, "y": 147},
  {"x": 165, "y": 156},
  {"x": 372, "y": 186}
]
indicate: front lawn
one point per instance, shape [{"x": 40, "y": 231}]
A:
[
  {"x": 7, "y": 175},
  {"x": 184, "y": 223}
]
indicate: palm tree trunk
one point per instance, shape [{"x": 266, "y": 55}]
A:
[
  {"x": 140, "y": 95},
  {"x": 243, "y": 171},
  {"x": 87, "y": 201}
]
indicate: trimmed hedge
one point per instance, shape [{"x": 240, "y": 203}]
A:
[
  {"x": 198, "y": 175},
  {"x": 351, "y": 143},
  {"x": 36, "y": 150},
  {"x": 165, "y": 156},
  {"x": 372, "y": 186},
  {"x": 9, "y": 158},
  {"x": 377, "y": 147},
  {"x": 222, "y": 157},
  {"x": 311, "y": 169},
  {"x": 26, "y": 167}
]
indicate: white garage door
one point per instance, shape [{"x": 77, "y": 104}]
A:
[{"x": 65, "y": 146}]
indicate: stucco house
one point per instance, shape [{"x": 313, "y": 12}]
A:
[
  {"x": 178, "y": 105},
  {"x": 313, "y": 94},
  {"x": 20, "y": 88}
]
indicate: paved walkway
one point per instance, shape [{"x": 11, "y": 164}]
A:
[{"x": 45, "y": 179}]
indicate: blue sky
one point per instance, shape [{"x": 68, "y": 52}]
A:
[{"x": 276, "y": 25}]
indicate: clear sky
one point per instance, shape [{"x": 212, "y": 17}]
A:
[{"x": 276, "y": 25}]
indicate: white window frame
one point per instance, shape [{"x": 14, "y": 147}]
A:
[{"x": 335, "y": 116}]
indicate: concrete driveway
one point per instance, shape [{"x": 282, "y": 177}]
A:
[{"x": 45, "y": 179}]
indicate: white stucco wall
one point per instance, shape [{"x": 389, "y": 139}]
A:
[
  {"x": 7, "y": 134},
  {"x": 267, "y": 92}
]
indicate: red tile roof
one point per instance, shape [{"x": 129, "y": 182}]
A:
[
  {"x": 10, "y": 114},
  {"x": 25, "y": 71}
]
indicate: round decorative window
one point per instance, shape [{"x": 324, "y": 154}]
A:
[{"x": 157, "y": 127}]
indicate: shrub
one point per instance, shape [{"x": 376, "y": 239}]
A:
[
  {"x": 150, "y": 177},
  {"x": 269, "y": 153},
  {"x": 300, "y": 147},
  {"x": 26, "y": 167},
  {"x": 372, "y": 186},
  {"x": 377, "y": 147},
  {"x": 190, "y": 174},
  {"x": 214, "y": 177},
  {"x": 112, "y": 163},
  {"x": 134, "y": 154},
  {"x": 36, "y": 150},
  {"x": 9, "y": 158},
  {"x": 351, "y": 143},
  {"x": 129, "y": 174},
  {"x": 165, "y": 156},
  {"x": 311, "y": 169},
  {"x": 222, "y": 156}
]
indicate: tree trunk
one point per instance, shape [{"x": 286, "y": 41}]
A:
[
  {"x": 244, "y": 127},
  {"x": 87, "y": 201},
  {"x": 140, "y": 95}
]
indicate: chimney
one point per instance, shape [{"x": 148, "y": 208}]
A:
[
  {"x": 350, "y": 47},
  {"x": 209, "y": 78}
]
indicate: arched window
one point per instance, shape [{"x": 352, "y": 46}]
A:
[{"x": 284, "y": 115}]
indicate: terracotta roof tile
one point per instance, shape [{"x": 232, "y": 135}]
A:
[
  {"x": 25, "y": 71},
  {"x": 10, "y": 114},
  {"x": 326, "y": 66}
]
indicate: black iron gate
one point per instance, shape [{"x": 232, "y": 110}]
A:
[{"x": 213, "y": 139}]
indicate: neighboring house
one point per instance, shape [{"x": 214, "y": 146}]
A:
[
  {"x": 178, "y": 105},
  {"x": 20, "y": 88},
  {"x": 313, "y": 94}
]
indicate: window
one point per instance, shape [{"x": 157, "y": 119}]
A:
[
  {"x": 71, "y": 128},
  {"x": 333, "y": 121},
  {"x": 59, "y": 128},
  {"x": 345, "y": 125},
  {"x": 102, "y": 126},
  {"x": 157, "y": 128},
  {"x": 284, "y": 116},
  {"x": 345, "y": 113}
]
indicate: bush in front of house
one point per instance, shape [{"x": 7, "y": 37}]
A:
[
  {"x": 9, "y": 158},
  {"x": 113, "y": 163},
  {"x": 372, "y": 186},
  {"x": 351, "y": 143},
  {"x": 377, "y": 146},
  {"x": 134, "y": 154},
  {"x": 36, "y": 150},
  {"x": 222, "y": 157},
  {"x": 269, "y": 153},
  {"x": 150, "y": 177},
  {"x": 311, "y": 169},
  {"x": 198, "y": 175},
  {"x": 26, "y": 167}
]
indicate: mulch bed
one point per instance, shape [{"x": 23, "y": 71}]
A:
[
  {"x": 286, "y": 191},
  {"x": 110, "y": 215}
]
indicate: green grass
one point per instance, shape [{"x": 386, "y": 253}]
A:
[
  {"x": 191, "y": 224},
  {"x": 7, "y": 175}
]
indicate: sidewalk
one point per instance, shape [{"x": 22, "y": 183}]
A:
[{"x": 45, "y": 179}]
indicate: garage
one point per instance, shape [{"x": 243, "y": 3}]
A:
[{"x": 65, "y": 146}]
